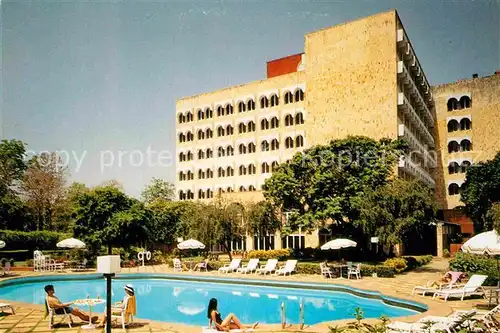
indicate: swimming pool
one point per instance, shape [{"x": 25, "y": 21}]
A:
[{"x": 184, "y": 299}]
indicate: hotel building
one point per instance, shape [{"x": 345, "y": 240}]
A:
[{"x": 358, "y": 78}]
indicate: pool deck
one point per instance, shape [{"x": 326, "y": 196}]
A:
[{"x": 29, "y": 317}]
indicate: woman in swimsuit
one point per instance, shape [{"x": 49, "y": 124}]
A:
[{"x": 229, "y": 323}]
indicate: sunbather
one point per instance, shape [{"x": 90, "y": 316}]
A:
[
  {"x": 54, "y": 303},
  {"x": 229, "y": 323},
  {"x": 447, "y": 279}
]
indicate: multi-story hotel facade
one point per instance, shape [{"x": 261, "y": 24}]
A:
[{"x": 358, "y": 78}]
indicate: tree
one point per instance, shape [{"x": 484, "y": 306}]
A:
[
  {"x": 44, "y": 189},
  {"x": 170, "y": 220},
  {"x": 318, "y": 185},
  {"x": 494, "y": 215},
  {"x": 262, "y": 218},
  {"x": 12, "y": 163},
  {"x": 158, "y": 189},
  {"x": 392, "y": 211},
  {"x": 228, "y": 219},
  {"x": 480, "y": 190},
  {"x": 105, "y": 216}
]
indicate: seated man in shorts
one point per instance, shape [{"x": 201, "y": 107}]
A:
[{"x": 54, "y": 303}]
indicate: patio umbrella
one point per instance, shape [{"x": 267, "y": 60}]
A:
[
  {"x": 339, "y": 243},
  {"x": 71, "y": 243},
  {"x": 485, "y": 243},
  {"x": 190, "y": 244},
  {"x": 2, "y": 244}
]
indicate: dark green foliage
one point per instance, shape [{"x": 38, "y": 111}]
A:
[
  {"x": 475, "y": 264},
  {"x": 33, "y": 240},
  {"x": 281, "y": 254}
]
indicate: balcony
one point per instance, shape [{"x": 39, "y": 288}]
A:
[
  {"x": 405, "y": 106},
  {"x": 407, "y": 79},
  {"x": 415, "y": 144},
  {"x": 416, "y": 170}
]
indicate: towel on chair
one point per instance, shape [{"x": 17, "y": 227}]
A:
[{"x": 131, "y": 306}]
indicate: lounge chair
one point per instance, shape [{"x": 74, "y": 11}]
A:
[
  {"x": 7, "y": 306},
  {"x": 268, "y": 268},
  {"x": 232, "y": 267},
  {"x": 487, "y": 317},
  {"x": 177, "y": 265},
  {"x": 288, "y": 268},
  {"x": 52, "y": 313},
  {"x": 325, "y": 270},
  {"x": 429, "y": 289},
  {"x": 250, "y": 267},
  {"x": 354, "y": 270},
  {"x": 202, "y": 265},
  {"x": 421, "y": 327},
  {"x": 82, "y": 266},
  {"x": 472, "y": 287}
]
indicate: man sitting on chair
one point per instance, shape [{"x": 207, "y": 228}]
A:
[{"x": 54, "y": 303}]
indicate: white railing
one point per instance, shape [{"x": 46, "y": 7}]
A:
[
  {"x": 415, "y": 143},
  {"x": 416, "y": 170},
  {"x": 403, "y": 101}
]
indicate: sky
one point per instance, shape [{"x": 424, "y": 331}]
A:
[{"x": 97, "y": 81}]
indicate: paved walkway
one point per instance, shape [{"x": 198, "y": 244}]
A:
[{"x": 29, "y": 317}]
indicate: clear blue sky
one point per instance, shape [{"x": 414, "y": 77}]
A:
[{"x": 105, "y": 75}]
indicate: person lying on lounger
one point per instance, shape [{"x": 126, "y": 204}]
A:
[
  {"x": 447, "y": 279},
  {"x": 54, "y": 303},
  {"x": 229, "y": 323}
]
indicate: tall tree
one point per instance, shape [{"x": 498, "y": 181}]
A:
[
  {"x": 228, "y": 218},
  {"x": 262, "y": 219},
  {"x": 171, "y": 220},
  {"x": 158, "y": 190},
  {"x": 481, "y": 190},
  {"x": 392, "y": 211},
  {"x": 44, "y": 188},
  {"x": 494, "y": 215},
  {"x": 318, "y": 185},
  {"x": 12, "y": 163}
]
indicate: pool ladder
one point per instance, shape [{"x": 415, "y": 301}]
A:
[{"x": 301, "y": 315}]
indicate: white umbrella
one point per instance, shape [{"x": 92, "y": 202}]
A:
[
  {"x": 339, "y": 243},
  {"x": 2, "y": 244},
  {"x": 483, "y": 243},
  {"x": 190, "y": 244},
  {"x": 71, "y": 243}
]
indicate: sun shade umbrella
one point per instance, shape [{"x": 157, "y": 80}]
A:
[
  {"x": 485, "y": 243},
  {"x": 2, "y": 244},
  {"x": 71, "y": 243},
  {"x": 190, "y": 244},
  {"x": 339, "y": 243}
]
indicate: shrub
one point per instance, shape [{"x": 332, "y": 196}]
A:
[
  {"x": 158, "y": 257},
  {"x": 33, "y": 240},
  {"x": 381, "y": 270},
  {"x": 399, "y": 264},
  {"x": 446, "y": 253},
  {"x": 475, "y": 264},
  {"x": 308, "y": 268},
  {"x": 281, "y": 254},
  {"x": 29, "y": 263}
]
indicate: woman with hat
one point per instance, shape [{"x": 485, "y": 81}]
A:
[{"x": 128, "y": 305}]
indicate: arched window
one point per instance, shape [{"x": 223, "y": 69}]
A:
[
  {"x": 180, "y": 118},
  {"x": 465, "y": 166},
  {"x": 251, "y": 188},
  {"x": 275, "y": 145},
  {"x": 229, "y": 151},
  {"x": 265, "y": 168},
  {"x": 201, "y": 114},
  {"x": 453, "y": 167},
  {"x": 221, "y": 152},
  {"x": 299, "y": 95},
  {"x": 182, "y": 157},
  {"x": 264, "y": 124},
  {"x": 264, "y": 102},
  {"x": 264, "y": 146},
  {"x": 220, "y": 111},
  {"x": 209, "y": 133},
  {"x": 275, "y": 123},
  {"x": 453, "y": 147},
  {"x": 209, "y": 113},
  {"x": 189, "y": 156},
  {"x": 190, "y": 194},
  {"x": 220, "y": 131},
  {"x": 288, "y": 143},
  {"x": 210, "y": 153},
  {"x": 288, "y": 97},
  {"x": 229, "y": 172},
  {"x": 299, "y": 118},
  {"x": 242, "y": 149},
  {"x": 201, "y": 194},
  {"x": 250, "y": 105},
  {"x": 242, "y": 107},
  {"x": 181, "y": 176},
  {"x": 189, "y": 116},
  {"x": 452, "y": 125},
  {"x": 229, "y": 130},
  {"x": 242, "y": 170},
  {"x": 221, "y": 172},
  {"x": 465, "y": 102},
  {"x": 465, "y": 145},
  {"x": 242, "y": 128},
  {"x": 252, "y": 169},
  {"x": 229, "y": 109},
  {"x": 220, "y": 191},
  {"x": 189, "y": 136},
  {"x": 182, "y": 137},
  {"x": 190, "y": 175},
  {"x": 242, "y": 189},
  {"x": 299, "y": 141},
  {"x": 274, "y": 100},
  {"x": 182, "y": 195},
  {"x": 201, "y": 135},
  {"x": 452, "y": 104},
  {"x": 229, "y": 189},
  {"x": 209, "y": 173},
  {"x": 210, "y": 194},
  {"x": 201, "y": 174},
  {"x": 465, "y": 124},
  {"x": 274, "y": 166},
  {"x": 251, "y": 148},
  {"x": 289, "y": 120},
  {"x": 251, "y": 126},
  {"x": 201, "y": 154},
  {"x": 453, "y": 189}
]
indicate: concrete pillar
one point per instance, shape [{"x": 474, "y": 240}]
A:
[
  {"x": 249, "y": 243},
  {"x": 440, "y": 239},
  {"x": 312, "y": 239}
]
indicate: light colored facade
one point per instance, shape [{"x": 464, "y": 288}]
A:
[{"x": 357, "y": 78}]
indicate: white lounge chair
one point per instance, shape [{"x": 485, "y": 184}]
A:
[
  {"x": 472, "y": 287},
  {"x": 250, "y": 267},
  {"x": 430, "y": 289},
  {"x": 7, "y": 306},
  {"x": 268, "y": 268},
  {"x": 325, "y": 270},
  {"x": 288, "y": 268},
  {"x": 421, "y": 327},
  {"x": 232, "y": 267},
  {"x": 52, "y": 314},
  {"x": 82, "y": 266},
  {"x": 354, "y": 270},
  {"x": 177, "y": 265}
]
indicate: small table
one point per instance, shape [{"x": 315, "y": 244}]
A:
[
  {"x": 495, "y": 292},
  {"x": 340, "y": 267},
  {"x": 90, "y": 302}
]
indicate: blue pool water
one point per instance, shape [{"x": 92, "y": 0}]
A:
[{"x": 186, "y": 301}]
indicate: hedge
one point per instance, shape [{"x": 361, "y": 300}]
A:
[
  {"x": 476, "y": 264},
  {"x": 407, "y": 263},
  {"x": 33, "y": 240},
  {"x": 281, "y": 254}
]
